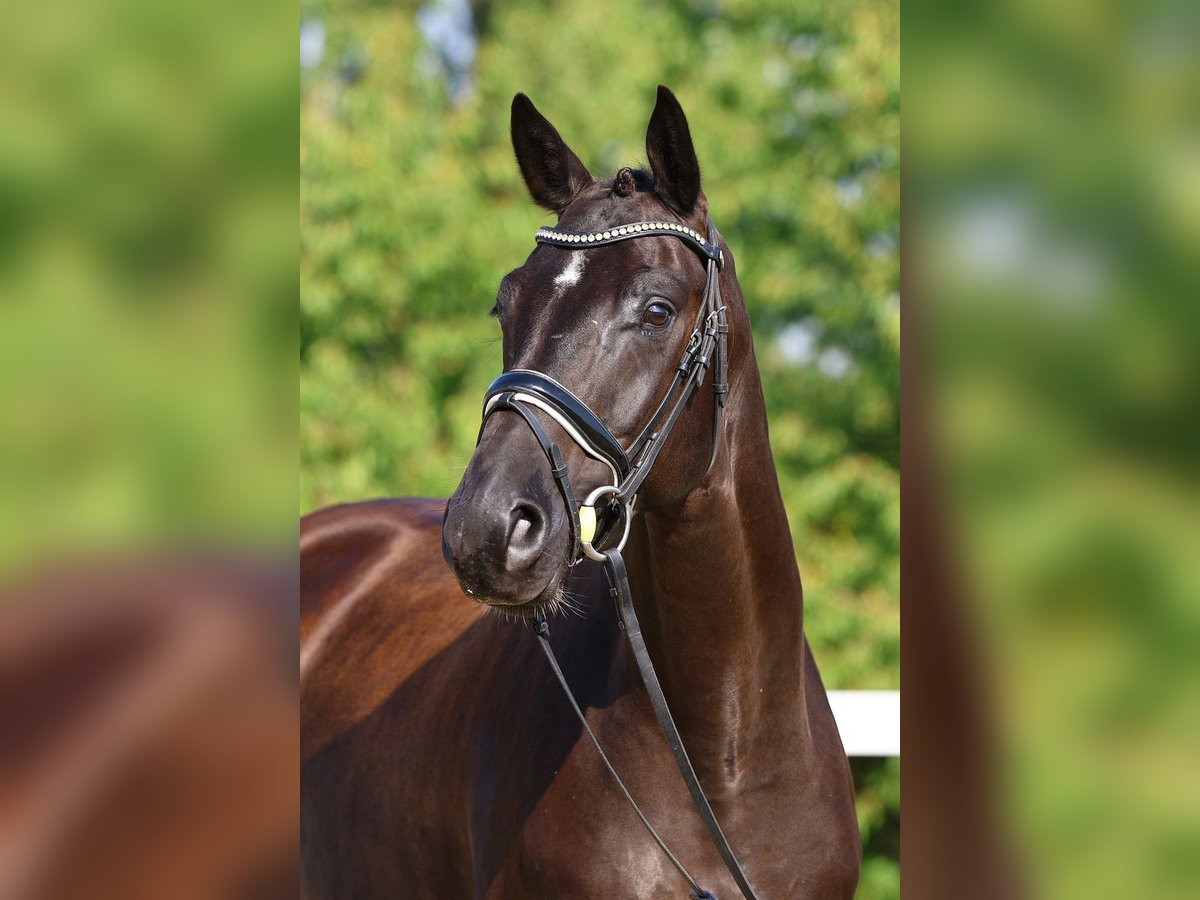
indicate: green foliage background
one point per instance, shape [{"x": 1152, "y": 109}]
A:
[{"x": 412, "y": 209}]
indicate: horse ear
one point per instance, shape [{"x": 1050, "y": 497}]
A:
[
  {"x": 671, "y": 154},
  {"x": 553, "y": 174}
]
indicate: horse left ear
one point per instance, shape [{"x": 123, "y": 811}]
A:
[
  {"x": 671, "y": 154},
  {"x": 553, "y": 174}
]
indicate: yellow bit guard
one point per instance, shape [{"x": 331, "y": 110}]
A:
[{"x": 587, "y": 523}]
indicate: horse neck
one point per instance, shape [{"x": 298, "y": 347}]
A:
[{"x": 715, "y": 583}]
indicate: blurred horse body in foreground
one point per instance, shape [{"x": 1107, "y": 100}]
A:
[{"x": 149, "y": 716}]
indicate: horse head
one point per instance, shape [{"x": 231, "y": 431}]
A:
[{"x": 609, "y": 320}]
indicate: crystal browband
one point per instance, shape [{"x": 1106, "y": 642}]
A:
[{"x": 561, "y": 238}]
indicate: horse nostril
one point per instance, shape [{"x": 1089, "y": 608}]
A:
[
  {"x": 524, "y": 524},
  {"x": 526, "y": 536}
]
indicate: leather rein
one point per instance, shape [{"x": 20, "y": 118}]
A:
[{"x": 596, "y": 519}]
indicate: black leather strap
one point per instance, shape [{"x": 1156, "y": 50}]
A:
[
  {"x": 558, "y": 468},
  {"x": 618, "y": 581},
  {"x": 574, "y": 409},
  {"x": 542, "y": 630},
  {"x": 707, "y": 346}
]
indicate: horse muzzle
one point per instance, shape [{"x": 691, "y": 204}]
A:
[{"x": 505, "y": 534}]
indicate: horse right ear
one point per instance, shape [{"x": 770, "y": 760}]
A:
[
  {"x": 553, "y": 174},
  {"x": 671, "y": 154}
]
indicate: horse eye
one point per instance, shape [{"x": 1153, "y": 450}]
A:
[{"x": 657, "y": 315}]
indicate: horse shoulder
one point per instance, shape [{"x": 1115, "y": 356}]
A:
[{"x": 377, "y": 602}]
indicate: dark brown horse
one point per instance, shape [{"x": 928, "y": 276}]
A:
[
  {"x": 148, "y": 729},
  {"x": 440, "y": 757}
]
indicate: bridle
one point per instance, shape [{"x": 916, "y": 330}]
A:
[
  {"x": 523, "y": 390},
  {"x": 520, "y": 389}
]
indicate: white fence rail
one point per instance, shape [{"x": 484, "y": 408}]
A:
[{"x": 868, "y": 720}]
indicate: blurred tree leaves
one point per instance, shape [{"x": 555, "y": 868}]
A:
[
  {"x": 146, "y": 278},
  {"x": 412, "y": 210}
]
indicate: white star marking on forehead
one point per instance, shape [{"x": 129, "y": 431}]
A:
[{"x": 572, "y": 273}]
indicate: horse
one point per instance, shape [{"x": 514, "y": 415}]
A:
[
  {"x": 150, "y": 717},
  {"x": 440, "y": 756}
]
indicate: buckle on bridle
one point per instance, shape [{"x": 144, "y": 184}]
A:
[
  {"x": 693, "y": 346},
  {"x": 588, "y": 516}
]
